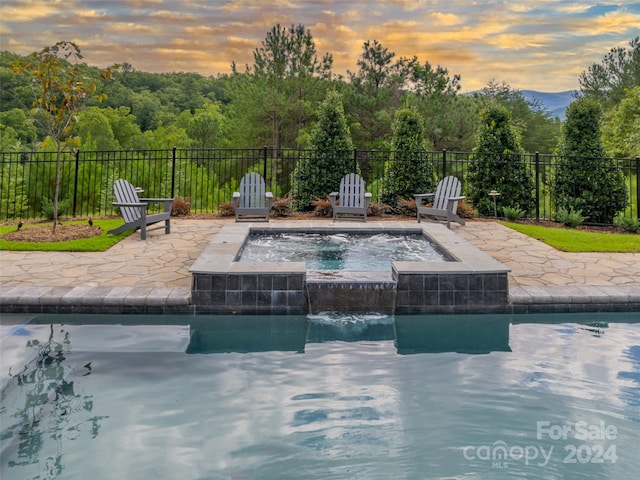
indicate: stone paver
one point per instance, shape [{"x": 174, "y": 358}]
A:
[
  {"x": 155, "y": 272},
  {"x": 535, "y": 263}
]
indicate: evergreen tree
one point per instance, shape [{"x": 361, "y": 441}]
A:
[
  {"x": 330, "y": 157},
  {"x": 497, "y": 164},
  {"x": 408, "y": 172},
  {"x": 585, "y": 180}
]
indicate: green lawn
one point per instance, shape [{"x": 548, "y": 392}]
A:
[
  {"x": 572, "y": 240},
  {"x": 98, "y": 243}
]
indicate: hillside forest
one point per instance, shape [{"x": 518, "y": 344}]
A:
[{"x": 275, "y": 102}]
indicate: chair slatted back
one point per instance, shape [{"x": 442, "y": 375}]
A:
[
  {"x": 252, "y": 191},
  {"x": 126, "y": 193},
  {"x": 352, "y": 190},
  {"x": 447, "y": 187}
]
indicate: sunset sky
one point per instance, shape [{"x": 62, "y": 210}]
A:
[{"x": 529, "y": 44}]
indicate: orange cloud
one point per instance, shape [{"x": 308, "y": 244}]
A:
[
  {"x": 613, "y": 22},
  {"x": 447, "y": 19},
  {"x": 29, "y": 12}
]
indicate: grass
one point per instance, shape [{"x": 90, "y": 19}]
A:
[
  {"x": 99, "y": 243},
  {"x": 572, "y": 240}
]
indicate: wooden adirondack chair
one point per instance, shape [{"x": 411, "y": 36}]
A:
[
  {"x": 252, "y": 201},
  {"x": 134, "y": 210},
  {"x": 445, "y": 201},
  {"x": 351, "y": 201}
]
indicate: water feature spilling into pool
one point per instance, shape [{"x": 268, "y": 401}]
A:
[{"x": 320, "y": 396}]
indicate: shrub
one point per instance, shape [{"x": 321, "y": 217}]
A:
[
  {"x": 180, "y": 207},
  {"x": 466, "y": 210},
  {"x": 584, "y": 180},
  {"x": 47, "y": 208},
  {"x": 330, "y": 157},
  {"x": 407, "y": 206},
  {"x": 497, "y": 164},
  {"x": 408, "y": 172},
  {"x": 513, "y": 213},
  {"x": 281, "y": 207},
  {"x": 226, "y": 209},
  {"x": 628, "y": 223},
  {"x": 322, "y": 207},
  {"x": 570, "y": 218},
  {"x": 378, "y": 209}
]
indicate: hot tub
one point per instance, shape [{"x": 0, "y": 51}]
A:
[{"x": 469, "y": 281}]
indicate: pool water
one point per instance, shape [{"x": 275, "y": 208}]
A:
[
  {"x": 326, "y": 397},
  {"x": 340, "y": 251}
]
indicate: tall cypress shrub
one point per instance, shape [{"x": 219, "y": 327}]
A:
[
  {"x": 329, "y": 158},
  {"x": 408, "y": 172},
  {"x": 585, "y": 180},
  {"x": 498, "y": 164}
]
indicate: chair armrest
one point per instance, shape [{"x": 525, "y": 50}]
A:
[
  {"x": 268, "y": 195},
  {"x": 122, "y": 204},
  {"x": 421, "y": 196},
  {"x": 456, "y": 199},
  {"x": 236, "y": 195},
  {"x": 368, "y": 195},
  {"x": 333, "y": 194}
]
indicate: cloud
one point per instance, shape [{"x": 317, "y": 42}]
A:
[
  {"x": 446, "y": 18},
  {"x": 19, "y": 12},
  {"x": 518, "y": 42},
  {"x": 618, "y": 22}
]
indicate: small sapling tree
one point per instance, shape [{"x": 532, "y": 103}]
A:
[{"x": 59, "y": 90}]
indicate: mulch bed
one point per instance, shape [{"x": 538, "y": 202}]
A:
[{"x": 46, "y": 233}]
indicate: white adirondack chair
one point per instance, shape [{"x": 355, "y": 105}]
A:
[
  {"x": 351, "y": 201},
  {"x": 445, "y": 201},
  {"x": 252, "y": 201},
  {"x": 134, "y": 210}
]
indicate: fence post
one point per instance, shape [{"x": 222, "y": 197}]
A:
[
  {"x": 444, "y": 162},
  {"x": 75, "y": 184},
  {"x": 537, "y": 186},
  {"x": 355, "y": 159},
  {"x": 173, "y": 172},
  {"x": 264, "y": 163},
  {"x": 638, "y": 188}
]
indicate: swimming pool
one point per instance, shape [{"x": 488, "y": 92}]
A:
[{"x": 347, "y": 397}]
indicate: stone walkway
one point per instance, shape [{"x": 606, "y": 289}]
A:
[
  {"x": 155, "y": 272},
  {"x": 534, "y": 263}
]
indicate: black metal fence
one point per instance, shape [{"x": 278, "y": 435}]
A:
[{"x": 209, "y": 177}]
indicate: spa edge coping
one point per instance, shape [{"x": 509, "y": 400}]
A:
[{"x": 219, "y": 256}]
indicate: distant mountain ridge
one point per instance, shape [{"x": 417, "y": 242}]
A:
[{"x": 554, "y": 103}]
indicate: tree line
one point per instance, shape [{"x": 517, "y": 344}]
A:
[
  {"x": 289, "y": 98},
  {"x": 274, "y": 102}
]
